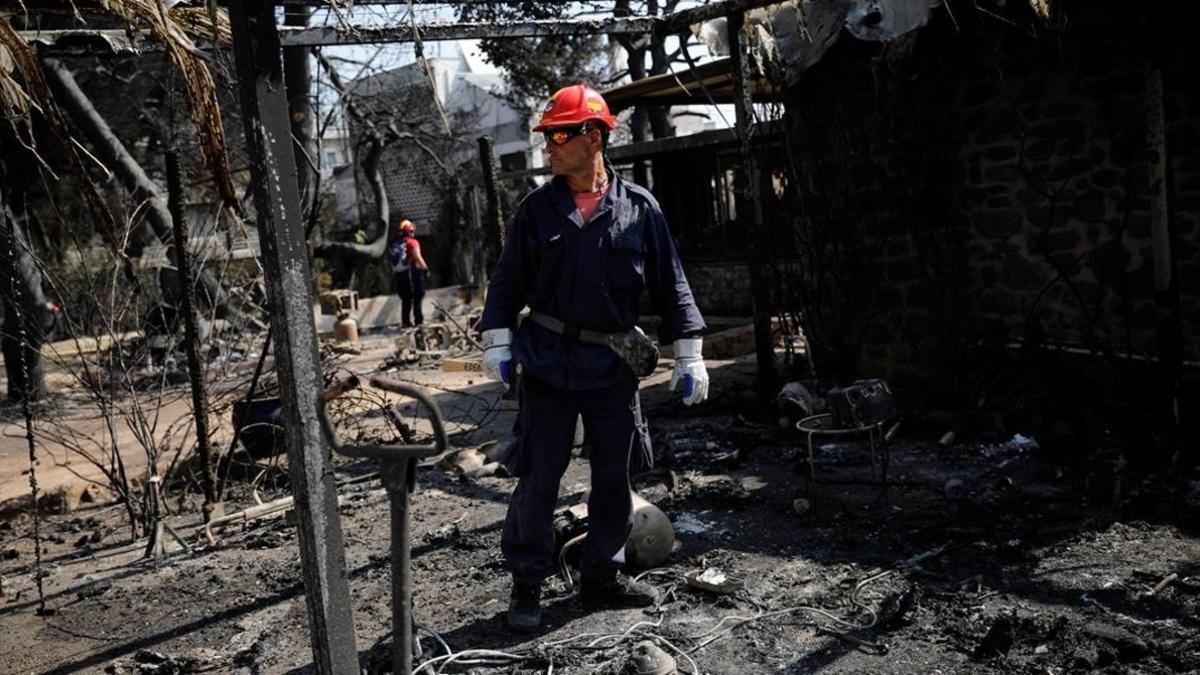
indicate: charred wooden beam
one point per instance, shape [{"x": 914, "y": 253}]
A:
[
  {"x": 433, "y": 32},
  {"x": 750, "y": 180},
  {"x": 687, "y": 17},
  {"x": 495, "y": 208},
  {"x": 1163, "y": 239},
  {"x": 1156, "y": 150},
  {"x": 347, "y": 4},
  {"x": 285, "y": 262},
  {"x": 683, "y": 19},
  {"x": 127, "y": 42},
  {"x": 89, "y": 42},
  {"x": 716, "y": 138}
]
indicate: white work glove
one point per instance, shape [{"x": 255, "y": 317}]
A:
[
  {"x": 690, "y": 370},
  {"x": 497, "y": 354}
]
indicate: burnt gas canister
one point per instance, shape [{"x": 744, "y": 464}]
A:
[
  {"x": 651, "y": 537},
  {"x": 346, "y": 329},
  {"x": 860, "y": 404}
]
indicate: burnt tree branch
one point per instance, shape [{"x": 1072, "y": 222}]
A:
[{"x": 114, "y": 154}]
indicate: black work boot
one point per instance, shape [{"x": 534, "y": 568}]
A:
[
  {"x": 615, "y": 592},
  {"x": 524, "y": 611}
]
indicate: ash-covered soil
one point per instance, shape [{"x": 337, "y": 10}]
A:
[{"x": 977, "y": 558}]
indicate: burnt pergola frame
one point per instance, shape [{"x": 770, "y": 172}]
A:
[{"x": 258, "y": 48}]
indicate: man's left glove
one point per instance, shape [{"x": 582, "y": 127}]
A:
[
  {"x": 497, "y": 354},
  {"x": 690, "y": 370}
]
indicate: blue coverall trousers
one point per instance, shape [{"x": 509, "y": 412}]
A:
[{"x": 543, "y": 451}]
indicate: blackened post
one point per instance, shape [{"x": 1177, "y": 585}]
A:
[
  {"x": 1162, "y": 238},
  {"x": 191, "y": 340},
  {"x": 750, "y": 195},
  {"x": 397, "y": 478},
  {"x": 285, "y": 261},
  {"x": 487, "y": 159},
  {"x": 481, "y": 246}
]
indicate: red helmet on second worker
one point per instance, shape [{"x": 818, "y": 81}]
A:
[{"x": 574, "y": 105}]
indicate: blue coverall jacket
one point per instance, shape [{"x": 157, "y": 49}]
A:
[{"x": 590, "y": 276}]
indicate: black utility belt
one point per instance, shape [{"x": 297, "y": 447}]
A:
[{"x": 633, "y": 346}]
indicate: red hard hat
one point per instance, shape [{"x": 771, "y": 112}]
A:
[{"x": 575, "y": 105}]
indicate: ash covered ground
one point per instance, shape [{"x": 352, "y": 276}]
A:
[{"x": 980, "y": 556}]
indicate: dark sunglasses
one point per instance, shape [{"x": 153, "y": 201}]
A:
[{"x": 562, "y": 135}]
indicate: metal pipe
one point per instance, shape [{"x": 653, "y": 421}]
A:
[
  {"x": 397, "y": 469},
  {"x": 246, "y": 515},
  {"x": 396, "y": 479}
]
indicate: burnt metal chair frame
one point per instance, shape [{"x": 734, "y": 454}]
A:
[{"x": 820, "y": 425}]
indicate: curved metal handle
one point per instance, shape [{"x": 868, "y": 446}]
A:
[{"x": 391, "y": 453}]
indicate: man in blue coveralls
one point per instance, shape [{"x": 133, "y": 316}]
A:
[{"x": 580, "y": 252}]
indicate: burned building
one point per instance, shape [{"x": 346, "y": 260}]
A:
[
  {"x": 993, "y": 207},
  {"x": 989, "y": 181}
]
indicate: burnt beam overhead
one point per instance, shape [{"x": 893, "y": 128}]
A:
[
  {"x": 344, "y": 4},
  {"x": 110, "y": 41},
  {"x": 706, "y": 11},
  {"x": 89, "y": 41},
  {"x": 432, "y": 32}
]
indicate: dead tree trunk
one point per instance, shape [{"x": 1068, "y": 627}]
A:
[
  {"x": 377, "y": 135},
  {"x": 191, "y": 341},
  {"x": 25, "y": 312},
  {"x": 374, "y": 249},
  {"x": 110, "y": 149}
]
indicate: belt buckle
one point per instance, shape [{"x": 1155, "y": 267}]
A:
[{"x": 571, "y": 332}]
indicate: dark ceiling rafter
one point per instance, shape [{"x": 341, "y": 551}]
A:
[
  {"x": 432, "y": 32},
  {"x": 363, "y": 3},
  {"x": 120, "y": 41},
  {"x": 720, "y": 8},
  {"x": 90, "y": 41}
]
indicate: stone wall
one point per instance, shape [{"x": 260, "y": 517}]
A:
[
  {"x": 720, "y": 288},
  {"x": 988, "y": 185},
  {"x": 1055, "y": 192}
]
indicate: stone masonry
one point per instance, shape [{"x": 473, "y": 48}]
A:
[{"x": 988, "y": 183}]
